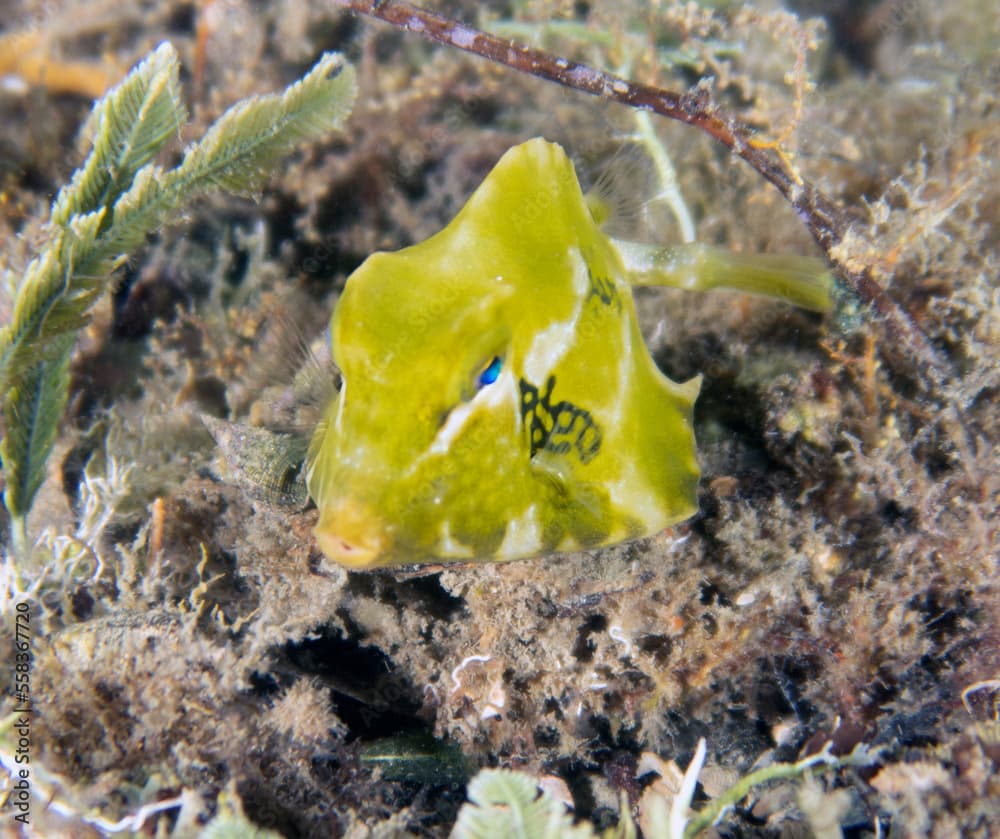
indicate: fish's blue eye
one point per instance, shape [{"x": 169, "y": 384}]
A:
[{"x": 491, "y": 373}]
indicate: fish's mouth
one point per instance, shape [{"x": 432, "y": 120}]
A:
[{"x": 351, "y": 534}]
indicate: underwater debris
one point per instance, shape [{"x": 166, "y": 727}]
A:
[
  {"x": 26, "y": 58},
  {"x": 265, "y": 464}
]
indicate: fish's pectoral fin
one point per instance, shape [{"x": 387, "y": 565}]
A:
[{"x": 584, "y": 504}]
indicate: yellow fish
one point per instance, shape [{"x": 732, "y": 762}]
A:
[{"x": 498, "y": 400}]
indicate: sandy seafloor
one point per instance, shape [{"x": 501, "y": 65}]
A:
[{"x": 839, "y": 581}]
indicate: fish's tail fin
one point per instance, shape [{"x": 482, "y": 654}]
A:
[{"x": 801, "y": 280}]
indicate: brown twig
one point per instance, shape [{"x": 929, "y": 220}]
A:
[{"x": 905, "y": 343}]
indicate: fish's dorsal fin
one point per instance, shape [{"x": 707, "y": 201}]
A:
[{"x": 624, "y": 193}]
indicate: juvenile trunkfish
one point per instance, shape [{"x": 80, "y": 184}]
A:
[{"x": 498, "y": 399}]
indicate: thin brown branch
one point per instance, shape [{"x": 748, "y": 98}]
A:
[{"x": 905, "y": 344}]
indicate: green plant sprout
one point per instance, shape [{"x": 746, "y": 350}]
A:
[
  {"x": 714, "y": 811},
  {"x": 112, "y": 202},
  {"x": 505, "y": 803}
]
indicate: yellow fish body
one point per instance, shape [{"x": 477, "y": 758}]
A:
[{"x": 498, "y": 400}]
